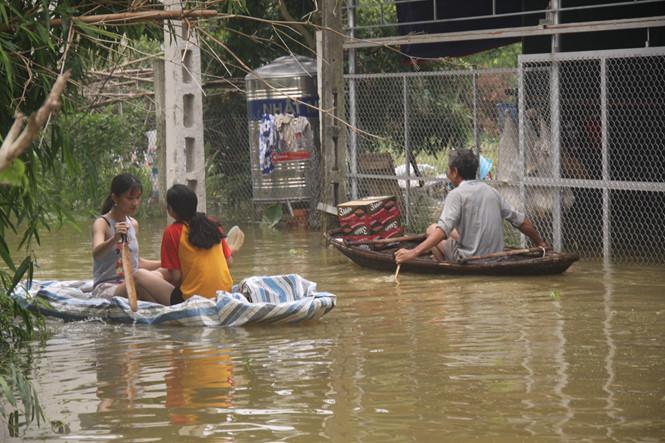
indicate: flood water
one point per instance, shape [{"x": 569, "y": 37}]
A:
[{"x": 572, "y": 357}]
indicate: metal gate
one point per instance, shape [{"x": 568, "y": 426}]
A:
[{"x": 583, "y": 155}]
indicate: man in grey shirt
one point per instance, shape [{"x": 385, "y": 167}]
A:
[{"x": 470, "y": 224}]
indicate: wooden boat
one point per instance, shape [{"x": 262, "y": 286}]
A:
[
  {"x": 255, "y": 300},
  {"x": 381, "y": 256}
]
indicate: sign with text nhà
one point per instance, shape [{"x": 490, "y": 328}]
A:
[{"x": 300, "y": 107}]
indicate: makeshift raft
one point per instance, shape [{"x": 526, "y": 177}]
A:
[
  {"x": 255, "y": 300},
  {"x": 382, "y": 256}
]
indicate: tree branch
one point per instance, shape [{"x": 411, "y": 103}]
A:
[
  {"x": 300, "y": 28},
  {"x": 17, "y": 141}
]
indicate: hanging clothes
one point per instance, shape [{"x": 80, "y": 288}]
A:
[
  {"x": 268, "y": 142},
  {"x": 287, "y": 136},
  {"x": 304, "y": 134},
  {"x": 295, "y": 133}
]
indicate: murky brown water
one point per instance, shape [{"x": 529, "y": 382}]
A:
[{"x": 433, "y": 359}]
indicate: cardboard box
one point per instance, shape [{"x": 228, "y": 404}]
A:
[
  {"x": 366, "y": 207},
  {"x": 387, "y": 234},
  {"x": 377, "y": 227},
  {"x": 369, "y": 218},
  {"x": 355, "y": 228},
  {"x": 388, "y": 225}
]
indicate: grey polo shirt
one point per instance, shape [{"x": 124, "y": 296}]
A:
[{"x": 476, "y": 209}]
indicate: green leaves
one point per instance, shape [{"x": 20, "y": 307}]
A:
[
  {"x": 235, "y": 7},
  {"x": 272, "y": 214},
  {"x": 95, "y": 31},
  {"x": 7, "y": 66},
  {"x": 14, "y": 174},
  {"x": 94, "y": 147},
  {"x": 16, "y": 383}
]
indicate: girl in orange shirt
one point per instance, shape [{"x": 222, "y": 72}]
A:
[{"x": 194, "y": 253}]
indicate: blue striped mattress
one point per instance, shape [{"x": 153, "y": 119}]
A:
[{"x": 255, "y": 300}]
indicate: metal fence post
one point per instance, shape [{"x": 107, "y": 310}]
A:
[
  {"x": 407, "y": 152},
  {"x": 605, "y": 164},
  {"x": 555, "y": 114},
  {"x": 353, "y": 120},
  {"x": 521, "y": 123},
  {"x": 476, "y": 135}
]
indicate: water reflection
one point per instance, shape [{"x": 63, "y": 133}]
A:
[
  {"x": 613, "y": 413},
  {"x": 194, "y": 377},
  {"x": 174, "y": 382},
  {"x": 197, "y": 378},
  {"x": 571, "y": 357},
  {"x": 111, "y": 368}
]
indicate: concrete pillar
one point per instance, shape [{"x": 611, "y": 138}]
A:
[
  {"x": 330, "y": 57},
  {"x": 179, "y": 99}
]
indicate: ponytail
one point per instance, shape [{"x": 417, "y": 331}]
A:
[
  {"x": 108, "y": 204},
  {"x": 204, "y": 232}
]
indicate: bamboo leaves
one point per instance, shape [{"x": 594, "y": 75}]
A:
[{"x": 17, "y": 383}]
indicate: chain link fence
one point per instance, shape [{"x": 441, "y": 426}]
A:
[
  {"x": 601, "y": 152},
  {"x": 228, "y": 166},
  {"x": 415, "y": 119},
  {"x": 583, "y": 157}
]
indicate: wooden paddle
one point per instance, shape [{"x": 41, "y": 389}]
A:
[
  {"x": 129, "y": 275},
  {"x": 380, "y": 241},
  {"x": 502, "y": 254}
]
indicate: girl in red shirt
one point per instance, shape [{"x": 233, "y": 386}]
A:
[{"x": 194, "y": 253}]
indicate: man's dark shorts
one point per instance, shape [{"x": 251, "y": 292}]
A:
[{"x": 450, "y": 250}]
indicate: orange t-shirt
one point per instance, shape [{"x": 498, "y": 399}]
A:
[{"x": 204, "y": 271}]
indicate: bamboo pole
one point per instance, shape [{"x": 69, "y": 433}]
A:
[
  {"x": 124, "y": 17},
  {"x": 380, "y": 241},
  {"x": 503, "y": 254}
]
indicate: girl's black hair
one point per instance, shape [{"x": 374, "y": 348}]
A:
[
  {"x": 465, "y": 161},
  {"x": 203, "y": 231},
  {"x": 119, "y": 185}
]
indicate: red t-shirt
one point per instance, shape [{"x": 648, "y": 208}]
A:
[{"x": 204, "y": 271}]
